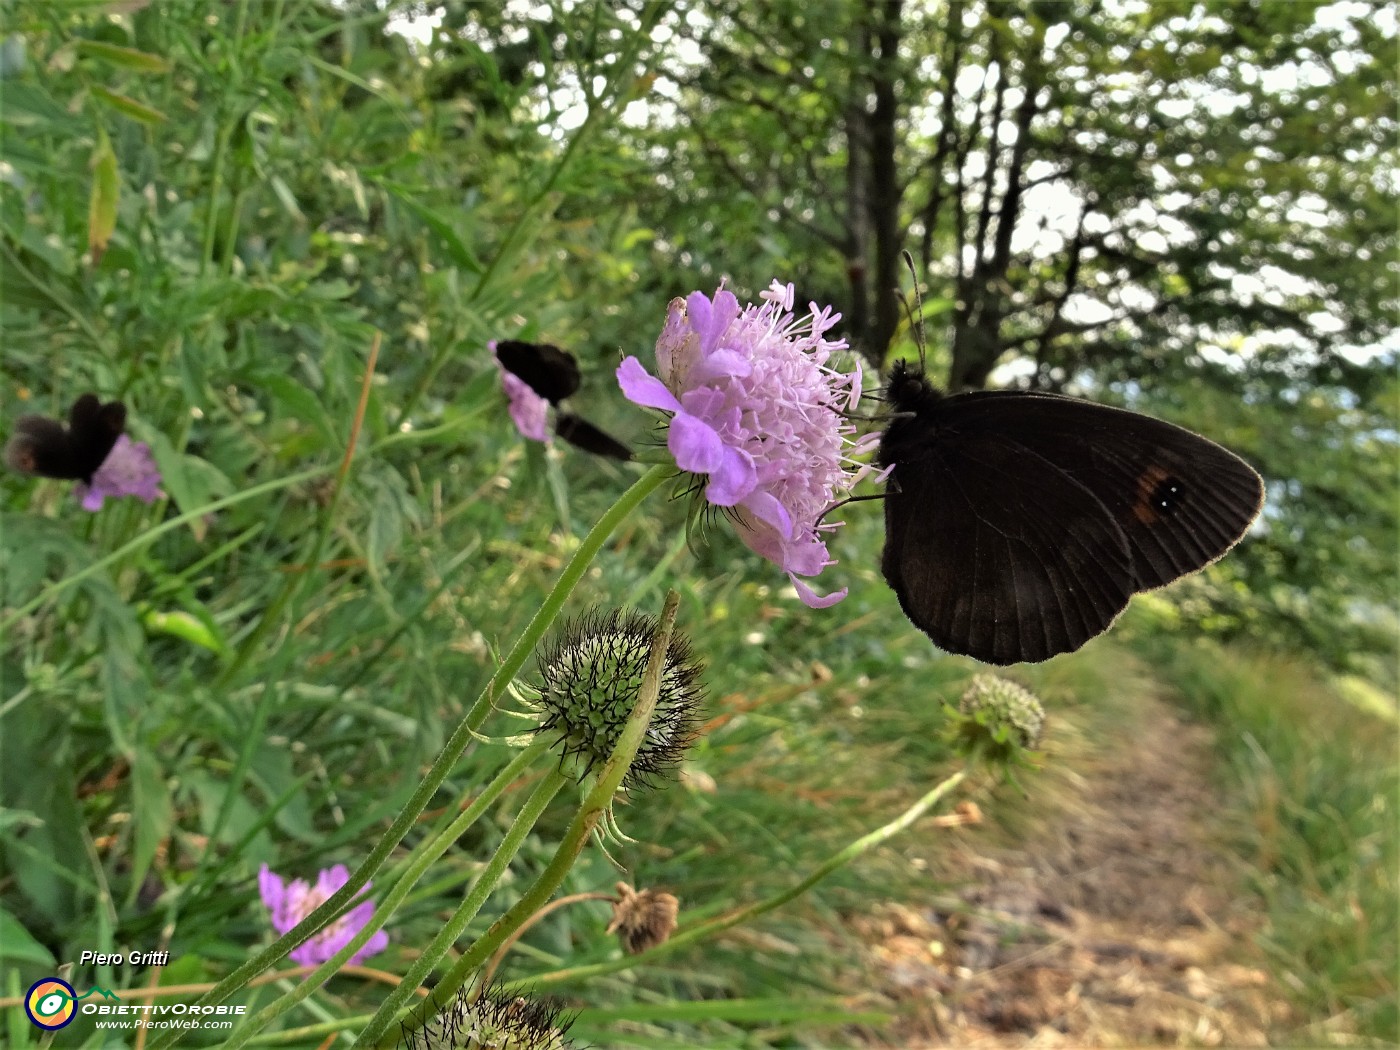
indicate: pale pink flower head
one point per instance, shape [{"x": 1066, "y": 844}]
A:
[
  {"x": 128, "y": 470},
  {"x": 289, "y": 904},
  {"x": 529, "y": 411},
  {"x": 756, "y": 409}
]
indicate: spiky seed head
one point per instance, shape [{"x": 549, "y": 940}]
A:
[
  {"x": 491, "y": 1019},
  {"x": 592, "y": 675}
]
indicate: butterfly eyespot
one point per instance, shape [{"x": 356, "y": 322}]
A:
[
  {"x": 21, "y": 458},
  {"x": 1158, "y": 494},
  {"x": 1169, "y": 495}
]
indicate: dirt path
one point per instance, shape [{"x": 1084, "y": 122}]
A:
[{"x": 1109, "y": 922}]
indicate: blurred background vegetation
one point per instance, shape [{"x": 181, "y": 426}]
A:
[{"x": 208, "y": 211}]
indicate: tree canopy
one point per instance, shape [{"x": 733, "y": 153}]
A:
[{"x": 1188, "y": 209}]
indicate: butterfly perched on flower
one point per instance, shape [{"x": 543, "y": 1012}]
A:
[
  {"x": 537, "y": 377},
  {"x": 92, "y": 450},
  {"x": 45, "y": 447},
  {"x": 1019, "y": 524}
]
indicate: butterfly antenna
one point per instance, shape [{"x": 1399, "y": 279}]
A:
[
  {"x": 849, "y": 499},
  {"x": 916, "y": 325}
]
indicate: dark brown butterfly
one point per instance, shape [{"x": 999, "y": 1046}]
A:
[
  {"x": 548, "y": 371},
  {"x": 553, "y": 374},
  {"x": 1018, "y": 525},
  {"x": 45, "y": 447}
]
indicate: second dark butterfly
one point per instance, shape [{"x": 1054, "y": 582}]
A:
[
  {"x": 1018, "y": 525},
  {"x": 44, "y": 447},
  {"x": 553, "y": 374}
]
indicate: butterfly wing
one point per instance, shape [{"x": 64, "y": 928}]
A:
[
  {"x": 994, "y": 552},
  {"x": 44, "y": 447},
  {"x": 93, "y": 429},
  {"x": 1181, "y": 500},
  {"x": 583, "y": 434},
  {"x": 1019, "y": 525},
  {"x": 40, "y": 447},
  {"x": 548, "y": 371}
]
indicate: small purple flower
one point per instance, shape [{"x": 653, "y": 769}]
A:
[
  {"x": 128, "y": 470},
  {"x": 529, "y": 411},
  {"x": 755, "y": 408},
  {"x": 290, "y": 904}
]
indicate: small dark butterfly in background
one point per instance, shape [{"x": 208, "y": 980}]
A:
[
  {"x": 45, "y": 447},
  {"x": 1018, "y": 525},
  {"x": 553, "y": 374}
]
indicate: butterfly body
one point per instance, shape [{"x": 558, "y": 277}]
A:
[
  {"x": 548, "y": 371},
  {"x": 1019, "y": 524},
  {"x": 44, "y": 447}
]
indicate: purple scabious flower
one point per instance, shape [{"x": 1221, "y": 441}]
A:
[
  {"x": 128, "y": 470},
  {"x": 289, "y": 904},
  {"x": 755, "y": 408},
  {"x": 529, "y": 411}
]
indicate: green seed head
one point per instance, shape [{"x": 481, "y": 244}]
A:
[
  {"x": 489, "y": 1019},
  {"x": 998, "y": 718},
  {"x": 592, "y": 674}
]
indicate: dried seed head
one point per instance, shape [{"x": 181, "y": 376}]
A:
[
  {"x": 643, "y": 920},
  {"x": 592, "y": 673}
]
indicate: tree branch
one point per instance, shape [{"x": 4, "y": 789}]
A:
[
  {"x": 756, "y": 190},
  {"x": 947, "y": 135}
]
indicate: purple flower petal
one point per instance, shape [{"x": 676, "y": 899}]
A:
[
  {"x": 129, "y": 470},
  {"x": 733, "y": 480},
  {"x": 706, "y": 403},
  {"x": 528, "y": 411},
  {"x": 765, "y": 507},
  {"x": 331, "y": 879},
  {"x": 721, "y": 365},
  {"x": 723, "y": 312},
  {"x": 699, "y": 312},
  {"x": 756, "y": 407},
  {"x": 642, "y": 388},
  {"x": 288, "y": 905},
  {"x": 694, "y": 444},
  {"x": 812, "y": 599},
  {"x": 270, "y": 888}
]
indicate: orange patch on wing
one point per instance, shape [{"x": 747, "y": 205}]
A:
[{"x": 1147, "y": 484}]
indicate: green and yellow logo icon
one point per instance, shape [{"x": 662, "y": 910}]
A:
[{"x": 51, "y": 1002}]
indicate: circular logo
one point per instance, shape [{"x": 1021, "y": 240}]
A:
[{"x": 49, "y": 1003}]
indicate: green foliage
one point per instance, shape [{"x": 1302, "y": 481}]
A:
[{"x": 213, "y": 213}]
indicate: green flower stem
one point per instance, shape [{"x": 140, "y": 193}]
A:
[
  {"x": 289, "y": 597},
  {"x": 151, "y": 535},
  {"x": 309, "y": 1035},
  {"x": 595, "y": 806},
  {"x": 698, "y": 933},
  {"x": 452, "y": 828},
  {"x": 471, "y": 904},
  {"x": 465, "y": 732},
  {"x": 568, "y": 579},
  {"x": 422, "y": 859}
]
